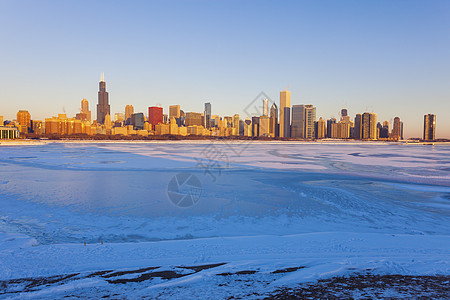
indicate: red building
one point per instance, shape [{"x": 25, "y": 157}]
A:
[{"x": 155, "y": 115}]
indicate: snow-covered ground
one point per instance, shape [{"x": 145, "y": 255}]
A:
[{"x": 277, "y": 214}]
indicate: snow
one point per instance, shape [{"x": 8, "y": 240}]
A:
[{"x": 331, "y": 209}]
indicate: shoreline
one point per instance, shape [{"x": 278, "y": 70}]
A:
[{"x": 33, "y": 142}]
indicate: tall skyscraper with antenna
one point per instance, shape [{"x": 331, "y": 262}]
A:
[{"x": 103, "y": 107}]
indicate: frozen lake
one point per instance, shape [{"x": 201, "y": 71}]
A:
[
  {"x": 134, "y": 192},
  {"x": 209, "y": 220}
]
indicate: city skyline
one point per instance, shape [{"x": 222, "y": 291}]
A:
[
  {"x": 387, "y": 58},
  {"x": 299, "y": 121}
]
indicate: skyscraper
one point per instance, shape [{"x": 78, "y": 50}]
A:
[
  {"x": 174, "y": 111},
  {"x": 24, "y": 119},
  {"x": 320, "y": 131},
  {"x": 85, "y": 109},
  {"x": 255, "y": 126},
  {"x": 263, "y": 126},
  {"x": 396, "y": 130},
  {"x": 298, "y": 121},
  {"x": 429, "y": 127},
  {"x": 310, "y": 119},
  {"x": 248, "y": 127},
  {"x": 273, "y": 122},
  {"x": 329, "y": 127},
  {"x": 207, "y": 116},
  {"x": 266, "y": 107},
  {"x": 285, "y": 102},
  {"x": 369, "y": 126},
  {"x": 287, "y": 122},
  {"x": 236, "y": 124},
  {"x": 155, "y": 115},
  {"x": 344, "y": 113},
  {"x": 129, "y": 110},
  {"x": 103, "y": 107},
  {"x": 357, "y": 132},
  {"x": 303, "y": 119}
]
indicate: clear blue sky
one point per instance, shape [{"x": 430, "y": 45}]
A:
[{"x": 388, "y": 57}]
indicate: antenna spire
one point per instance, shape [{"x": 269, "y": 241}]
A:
[{"x": 102, "y": 76}]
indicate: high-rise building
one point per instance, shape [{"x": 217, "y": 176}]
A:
[
  {"x": 298, "y": 121},
  {"x": 193, "y": 118},
  {"x": 357, "y": 131},
  {"x": 369, "y": 126},
  {"x": 174, "y": 112},
  {"x": 1, "y": 121},
  {"x": 310, "y": 119},
  {"x": 255, "y": 126},
  {"x": 85, "y": 109},
  {"x": 285, "y": 102},
  {"x": 248, "y": 127},
  {"x": 401, "y": 130},
  {"x": 429, "y": 127},
  {"x": 273, "y": 121},
  {"x": 287, "y": 122},
  {"x": 343, "y": 130},
  {"x": 129, "y": 110},
  {"x": 396, "y": 130},
  {"x": 384, "y": 130},
  {"x": 155, "y": 115},
  {"x": 329, "y": 127},
  {"x": 266, "y": 107},
  {"x": 303, "y": 120},
  {"x": 321, "y": 130},
  {"x": 24, "y": 118},
  {"x": 207, "y": 116},
  {"x": 103, "y": 107},
  {"x": 344, "y": 113},
  {"x": 236, "y": 124},
  {"x": 263, "y": 126},
  {"x": 137, "y": 120}
]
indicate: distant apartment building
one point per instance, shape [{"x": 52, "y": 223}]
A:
[
  {"x": 329, "y": 127},
  {"x": 310, "y": 119},
  {"x": 397, "y": 129},
  {"x": 24, "y": 120},
  {"x": 429, "y": 127},
  {"x": 320, "y": 130},
  {"x": 369, "y": 126},
  {"x": 357, "y": 131}
]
